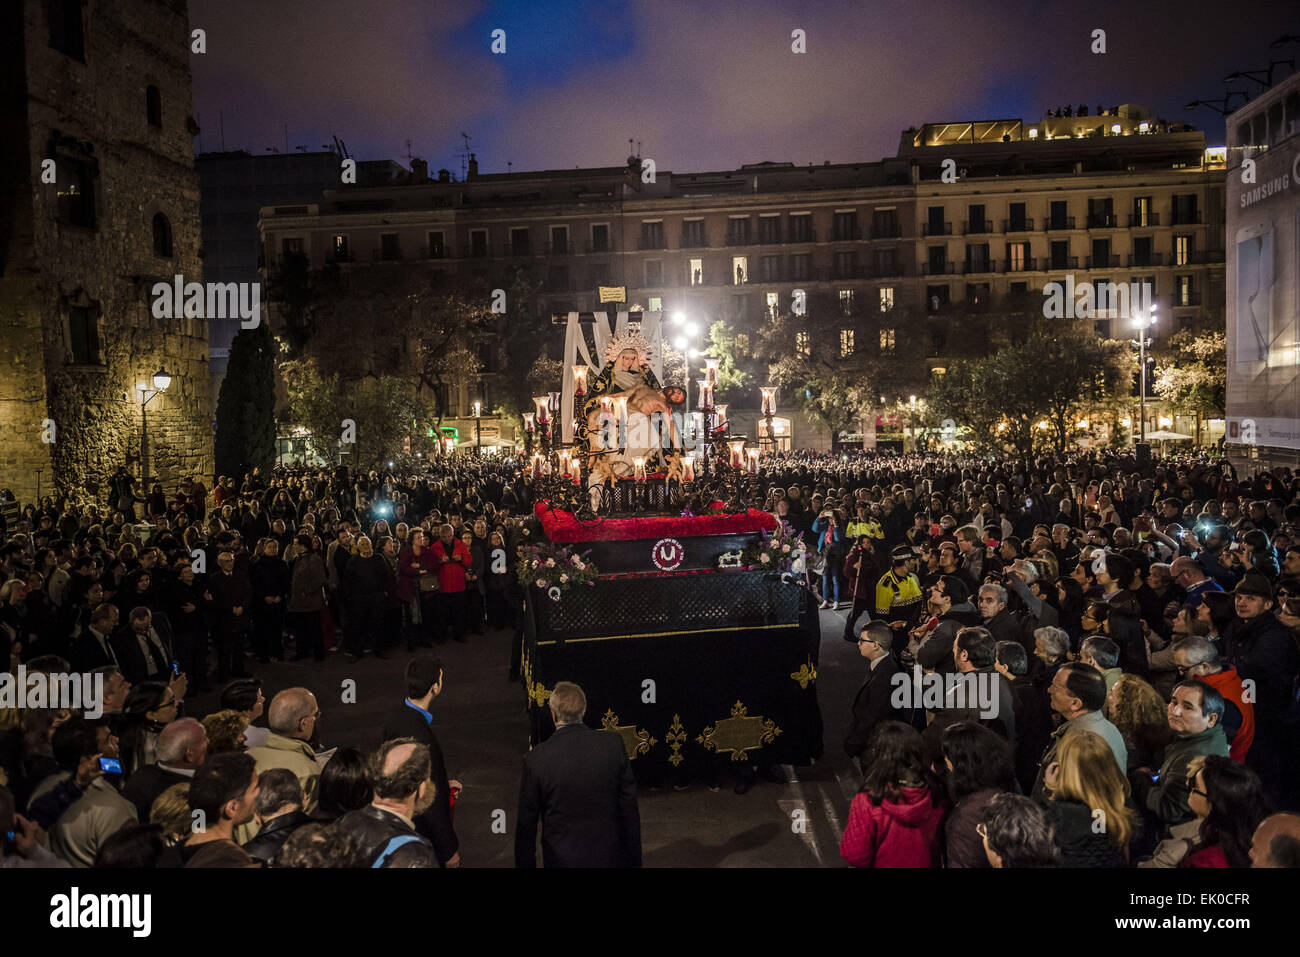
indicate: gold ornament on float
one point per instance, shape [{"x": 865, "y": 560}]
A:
[{"x": 739, "y": 733}]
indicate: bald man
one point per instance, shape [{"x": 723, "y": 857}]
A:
[
  {"x": 182, "y": 748},
  {"x": 399, "y": 773},
  {"x": 1276, "y": 842},
  {"x": 294, "y": 720}
]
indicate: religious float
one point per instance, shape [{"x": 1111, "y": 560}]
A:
[{"x": 654, "y": 582}]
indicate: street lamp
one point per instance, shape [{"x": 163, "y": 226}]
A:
[
  {"x": 478, "y": 429},
  {"x": 161, "y": 380},
  {"x": 1142, "y": 323}
]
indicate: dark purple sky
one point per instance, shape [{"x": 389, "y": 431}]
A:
[{"x": 703, "y": 84}]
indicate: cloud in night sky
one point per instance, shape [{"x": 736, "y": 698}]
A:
[{"x": 703, "y": 84}]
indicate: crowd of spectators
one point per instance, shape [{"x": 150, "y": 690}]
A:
[{"x": 1137, "y": 629}]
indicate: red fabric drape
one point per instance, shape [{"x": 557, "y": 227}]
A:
[{"x": 562, "y": 527}]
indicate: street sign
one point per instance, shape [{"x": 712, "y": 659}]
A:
[{"x": 613, "y": 293}]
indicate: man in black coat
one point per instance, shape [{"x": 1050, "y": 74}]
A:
[
  {"x": 413, "y": 720},
  {"x": 278, "y": 811},
  {"x": 144, "y": 647},
  {"x": 872, "y": 704},
  {"x": 399, "y": 772},
  {"x": 182, "y": 749},
  {"x": 578, "y": 784}
]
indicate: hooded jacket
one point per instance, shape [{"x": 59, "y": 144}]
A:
[{"x": 893, "y": 834}]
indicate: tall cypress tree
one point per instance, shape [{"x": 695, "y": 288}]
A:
[{"x": 246, "y": 406}]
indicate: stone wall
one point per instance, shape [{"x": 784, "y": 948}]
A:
[{"x": 53, "y": 266}]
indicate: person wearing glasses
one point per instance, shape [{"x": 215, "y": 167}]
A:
[
  {"x": 1228, "y": 804},
  {"x": 872, "y": 705},
  {"x": 294, "y": 719},
  {"x": 1196, "y": 657},
  {"x": 1195, "y": 712}
]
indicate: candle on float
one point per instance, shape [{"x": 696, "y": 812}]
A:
[
  {"x": 638, "y": 466},
  {"x": 711, "y": 370},
  {"x": 688, "y": 469},
  {"x": 721, "y": 412},
  {"x": 697, "y": 424},
  {"x": 542, "y": 402},
  {"x": 737, "y": 453},
  {"x": 753, "y": 461},
  {"x": 769, "y": 400},
  {"x": 529, "y": 424},
  {"x": 553, "y": 405},
  {"x": 579, "y": 379},
  {"x": 564, "y": 463},
  {"x": 620, "y": 407},
  {"x": 537, "y": 464},
  {"x": 577, "y": 471},
  {"x": 706, "y": 393}
]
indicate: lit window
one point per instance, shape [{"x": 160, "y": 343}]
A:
[
  {"x": 801, "y": 344},
  {"x": 886, "y": 340},
  {"x": 773, "y": 303},
  {"x": 886, "y": 298},
  {"x": 697, "y": 272},
  {"x": 846, "y": 301},
  {"x": 846, "y": 343}
]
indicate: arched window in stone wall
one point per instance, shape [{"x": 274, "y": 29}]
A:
[{"x": 162, "y": 236}]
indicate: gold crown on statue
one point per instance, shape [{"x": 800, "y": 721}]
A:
[{"x": 634, "y": 341}]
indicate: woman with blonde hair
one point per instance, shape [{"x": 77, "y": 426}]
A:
[
  {"x": 171, "y": 812},
  {"x": 1086, "y": 804},
  {"x": 1140, "y": 713},
  {"x": 226, "y": 731}
]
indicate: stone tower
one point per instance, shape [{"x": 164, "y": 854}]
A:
[{"x": 99, "y": 200}]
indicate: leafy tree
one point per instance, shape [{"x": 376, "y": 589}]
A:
[
  {"x": 383, "y": 408},
  {"x": 246, "y": 405},
  {"x": 835, "y": 362},
  {"x": 1192, "y": 375},
  {"x": 1050, "y": 377},
  {"x": 738, "y": 373}
]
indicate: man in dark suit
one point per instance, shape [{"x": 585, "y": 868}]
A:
[
  {"x": 144, "y": 647},
  {"x": 413, "y": 720},
  {"x": 94, "y": 649},
  {"x": 579, "y": 785},
  {"x": 872, "y": 704},
  {"x": 182, "y": 748}
]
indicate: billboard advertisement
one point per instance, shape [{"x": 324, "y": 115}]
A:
[{"x": 1263, "y": 262}]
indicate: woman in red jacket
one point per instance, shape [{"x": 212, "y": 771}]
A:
[{"x": 895, "y": 820}]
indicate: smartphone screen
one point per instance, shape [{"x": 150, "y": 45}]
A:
[{"x": 110, "y": 765}]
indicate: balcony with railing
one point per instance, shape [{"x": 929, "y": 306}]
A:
[
  {"x": 343, "y": 256},
  {"x": 1185, "y": 217},
  {"x": 801, "y": 235},
  {"x": 1145, "y": 261},
  {"x": 770, "y": 236},
  {"x": 474, "y": 251},
  {"x": 598, "y": 247},
  {"x": 1102, "y": 221},
  {"x": 382, "y": 255},
  {"x": 1063, "y": 262},
  {"x": 938, "y": 269},
  {"x": 975, "y": 267},
  {"x": 842, "y": 234},
  {"x": 936, "y": 229},
  {"x": 887, "y": 231},
  {"x": 694, "y": 240},
  {"x": 1017, "y": 225},
  {"x": 559, "y": 249},
  {"x": 651, "y": 242},
  {"x": 1026, "y": 264},
  {"x": 1142, "y": 221},
  {"x": 1189, "y": 298},
  {"x": 1205, "y": 257},
  {"x": 1102, "y": 262},
  {"x": 888, "y": 270},
  {"x": 970, "y": 228},
  {"x": 519, "y": 249},
  {"x": 1057, "y": 223},
  {"x": 848, "y": 271},
  {"x": 739, "y": 237},
  {"x": 433, "y": 252}
]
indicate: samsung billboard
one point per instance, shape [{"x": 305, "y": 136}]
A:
[{"x": 1263, "y": 262}]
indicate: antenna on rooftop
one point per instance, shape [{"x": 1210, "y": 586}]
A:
[{"x": 463, "y": 151}]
